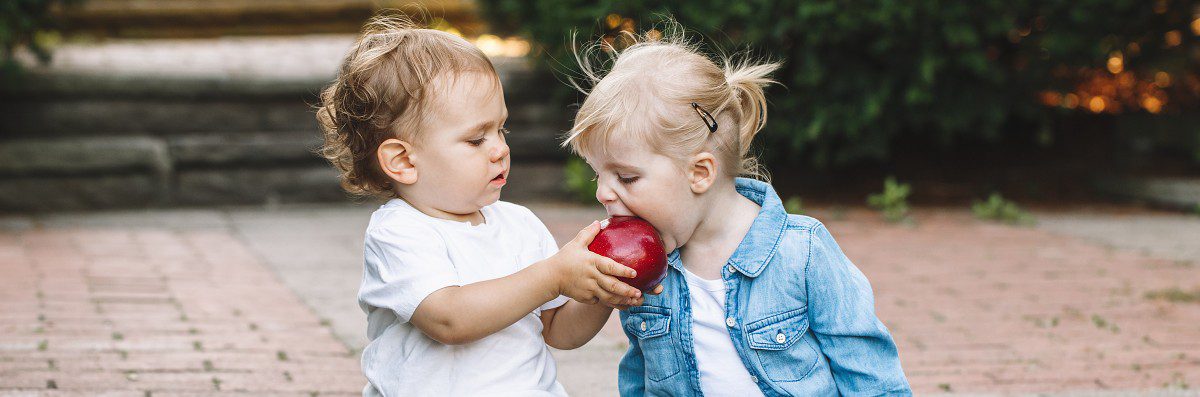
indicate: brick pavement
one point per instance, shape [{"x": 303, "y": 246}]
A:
[
  {"x": 148, "y": 311},
  {"x": 976, "y": 308},
  {"x": 980, "y": 307}
]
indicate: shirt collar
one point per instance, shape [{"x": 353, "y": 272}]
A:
[{"x": 759, "y": 244}]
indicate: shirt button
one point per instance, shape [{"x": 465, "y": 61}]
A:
[
  {"x": 729, "y": 268},
  {"x": 643, "y": 326},
  {"x": 730, "y": 322},
  {"x": 780, "y": 338},
  {"x": 753, "y": 378}
]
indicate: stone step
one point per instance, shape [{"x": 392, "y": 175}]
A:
[
  {"x": 69, "y": 105},
  {"x": 224, "y": 186},
  {"x": 209, "y": 18},
  {"x": 89, "y": 154},
  {"x": 84, "y": 156},
  {"x": 1178, "y": 193},
  {"x": 112, "y": 190},
  {"x": 210, "y": 168}
]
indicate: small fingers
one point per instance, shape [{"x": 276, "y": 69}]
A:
[
  {"x": 612, "y": 268},
  {"x": 628, "y": 303},
  {"x": 658, "y": 289},
  {"x": 615, "y": 286},
  {"x": 588, "y": 233}
]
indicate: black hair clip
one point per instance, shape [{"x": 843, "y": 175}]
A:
[{"x": 707, "y": 117}]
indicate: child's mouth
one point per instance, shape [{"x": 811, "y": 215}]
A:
[{"x": 499, "y": 180}]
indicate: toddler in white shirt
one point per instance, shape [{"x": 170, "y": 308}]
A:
[{"x": 463, "y": 292}]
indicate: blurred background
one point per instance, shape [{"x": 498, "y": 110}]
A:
[{"x": 1019, "y": 179}]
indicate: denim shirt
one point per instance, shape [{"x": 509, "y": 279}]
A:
[{"x": 801, "y": 317}]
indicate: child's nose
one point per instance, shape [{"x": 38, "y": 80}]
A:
[
  {"x": 499, "y": 152},
  {"x": 605, "y": 195}
]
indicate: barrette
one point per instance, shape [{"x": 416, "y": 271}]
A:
[{"x": 706, "y": 116}]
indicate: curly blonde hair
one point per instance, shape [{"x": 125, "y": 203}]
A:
[
  {"x": 649, "y": 91},
  {"x": 380, "y": 91}
]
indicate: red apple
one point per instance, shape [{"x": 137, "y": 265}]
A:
[{"x": 632, "y": 242}]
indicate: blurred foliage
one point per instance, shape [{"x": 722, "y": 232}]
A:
[
  {"x": 998, "y": 209},
  {"x": 893, "y": 201},
  {"x": 857, "y": 75},
  {"x": 26, "y": 24},
  {"x": 580, "y": 180},
  {"x": 794, "y": 205}
]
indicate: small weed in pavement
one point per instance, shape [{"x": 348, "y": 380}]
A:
[{"x": 1175, "y": 294}]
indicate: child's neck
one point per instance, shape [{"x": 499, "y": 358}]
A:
[
  {"x": 474, "y": 218},
  {"x": 727, "y": 219}
]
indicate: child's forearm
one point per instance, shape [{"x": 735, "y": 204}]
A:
[
  {"x": 459, "y": 315},
  {"x": 574, "y": 324}
]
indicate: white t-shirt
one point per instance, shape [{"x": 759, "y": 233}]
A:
[
  {"x": 721, "y": 371},
  {"x": 409, "y": 255}
]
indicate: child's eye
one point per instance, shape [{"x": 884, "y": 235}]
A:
[
  {"x": 627, "y": 179},
  {"x": 476, "y": 142},
  {"x": 504, "y": 131},
  {"x": 595, "y": 177}
]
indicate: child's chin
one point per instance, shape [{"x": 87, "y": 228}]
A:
[{"x": 492, "y": 198}]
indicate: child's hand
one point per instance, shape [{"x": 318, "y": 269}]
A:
[
  {"x": 590, "y": 278},
  {"x": 658, "y": 289}
]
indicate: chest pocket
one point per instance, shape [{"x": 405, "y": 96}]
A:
[
  {"x": 779, "y": 343},
  {"x": 651, "y": 325}
]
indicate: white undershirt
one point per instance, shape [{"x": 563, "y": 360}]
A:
[{"x": 721, "y": 371}]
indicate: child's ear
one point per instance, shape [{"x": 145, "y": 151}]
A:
[
  {"x": 702, "y": 172},
  {"x": 396, "y": 160}
]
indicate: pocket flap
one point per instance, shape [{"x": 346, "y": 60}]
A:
[
  {"x": 648, "y": 321},
  {"x": 779, "y": 331}
]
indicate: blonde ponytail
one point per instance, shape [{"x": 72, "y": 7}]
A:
[{"x": 747, "y": 81}]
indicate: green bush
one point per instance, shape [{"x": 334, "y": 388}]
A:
[
  {"x": 893, "y": 201},
  {"x": 996, "y": 208},
  {"x": 25, "y": 24},
  {"x": 857, "y": 75},
  {"x": 580, "y": 180}
]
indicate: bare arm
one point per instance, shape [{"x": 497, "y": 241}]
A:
[
  {"x": 458, "y": 315},
  {"x": 574, "y": 324}
]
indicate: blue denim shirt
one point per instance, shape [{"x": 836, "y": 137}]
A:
[{"x": 801, "y": 317}]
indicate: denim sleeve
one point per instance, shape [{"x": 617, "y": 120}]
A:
[
  {"x": 631, "y": 375},
  {"x": 841, "y": 309}
]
